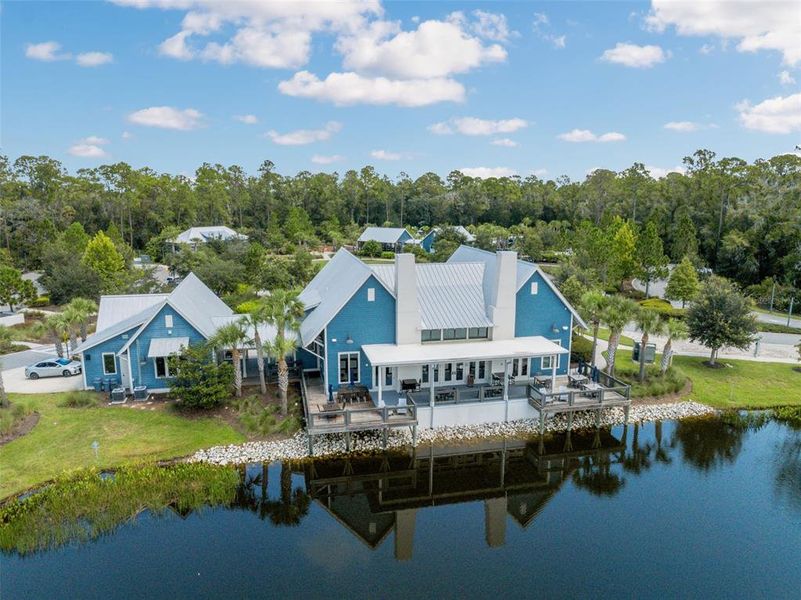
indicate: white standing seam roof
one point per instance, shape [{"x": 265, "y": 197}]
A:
[
  {"x": 525, "y": 270},
  {"x": 420, "y": 354},
  {"x": 114, "y": 309},
  {"x": 120, "y": 327},
  {"x": 468, "y": 237},
  {"x": 204, "y": 234},
  {"x": 166, "y": 346},
  {"x": 383, "y": 235},
  {"x": 449, "y": 295},
  {"x": 330, "y": 289}
]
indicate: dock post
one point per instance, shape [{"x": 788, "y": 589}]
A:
[
  {"x": 542, "y": 423},
  {"x": 414, "y": 435},
  {"x": 569, "y": 421},
  {"x": 311, "y": 444},
  {"x": 626, "y": 412},
  {"x": 598, "y": 418},
  {"x": 384, "y": 435},
  {"x": 347, "y": 441}
]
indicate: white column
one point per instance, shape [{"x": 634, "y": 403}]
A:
[
  {"x": 553, "y": 373},
  {"x": 431, "y": 391},
  {"x": 506, "y": 389},
  {"x": 380, "y": 386}
]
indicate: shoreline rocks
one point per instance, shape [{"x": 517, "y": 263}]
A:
[{"x": 297, "y": 448}]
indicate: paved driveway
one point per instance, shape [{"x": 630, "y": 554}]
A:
[{"x": 14, "y": 380}]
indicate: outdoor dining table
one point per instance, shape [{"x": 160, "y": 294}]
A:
[
  {"x": 541, "y": 382},
  {"x": 591, "y": 388},
  {"x": 445, "y": 395},
  {"x": 577, "y": 380}
]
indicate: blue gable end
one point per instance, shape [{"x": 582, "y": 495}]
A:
[
  {"x": 143, "y": 369},
  {"x": 540, "y": 314},
  {"x": 365, "y": 322},
  {"x": 93, "y": 357},
  {"x": 427, "y": 243}
]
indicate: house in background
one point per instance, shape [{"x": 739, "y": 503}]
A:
[
  {"x": 195, "y": 236},
  {"x": 428, "y": 240},
  {"x": 136, "y": 334},
  {"x": 392, "y": 239}
]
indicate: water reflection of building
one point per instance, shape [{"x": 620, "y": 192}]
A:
[{"x": 373, "y": 496}]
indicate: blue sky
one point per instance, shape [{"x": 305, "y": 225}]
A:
[{"x": 488, "y": 87}]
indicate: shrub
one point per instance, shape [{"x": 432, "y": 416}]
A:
[
  {"x": 663, "y": 307},
  {"x": 40, "y": 302},
  {"x": 581, "y": 349},
  {"x": 80, "y": 400},
  {"x": 10, "y": 416},
  {"x": 789, "y": 414},
  {"x": 388, "y": 255},
  {"x": 200, "y": 383},
  {"x": 371, "y": 248}
]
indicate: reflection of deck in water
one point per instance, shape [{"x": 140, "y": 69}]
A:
[{"x": 371, "y": 496}]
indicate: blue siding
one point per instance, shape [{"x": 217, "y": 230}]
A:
[
  {"x": 537, "y": 314},
  {"x": 366, "y": 323},
  {"x": 143, "y": 369},
  {"x": 405, "y": 237},
  {"x": 93, "y": 357},
  {"x": 427, "y": 243}
]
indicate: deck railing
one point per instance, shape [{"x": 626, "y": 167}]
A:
[
  {"x": 611, "y": 391},
  {"x": 461, "y": 394},
  {"x": 363, "y": 417}
]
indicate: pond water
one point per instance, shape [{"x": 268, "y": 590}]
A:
[{"x": 698, "y": 508}]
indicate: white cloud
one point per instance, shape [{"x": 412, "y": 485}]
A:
[
  {"x": 475, "y": 126},
  {"x": 638, "y": 57},
  {"x": 247, "y": 119},
  {"x": 94, "y": 59},
  {"x": 786, "y": 78},
  {"x": 435, "y": 49},
  {"x": 660, "y": 172},
  {"x": 301, "y": 137},
  {"x": 541, "y": 26},
  {"x": 89, "y": 147},
  {"x": 756, "y": 24},
  {"x": 541, "y": 19},
  {"x": 682, "y": 126},
  {"x": 540, "y": 172},
  {"x": 706, "y": 49},
  {"x": 491, "y": 26},
  {"x": 774, "y": 115},
  {"x": 127, "y": 135},
  {"x": 487, "y": 172},
  {"x": 585, "y": 135},
  {"x": 350, "y": 88},
  {"x": 45, "y": 51},
  {"x": 387, "y": 155},
  {"x": 505, "y": 142},
  {"x": 167, "y": 117},
  {"x": 319, "y": 159}
]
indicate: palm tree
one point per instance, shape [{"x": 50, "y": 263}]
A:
[
  {"x": 293, "y": 505},
  {"x": 256, "y": 317},
  {"x": 279, "y": 349},
  {"x": 83, "y": 308},
  {"x": 592, "y": 305},
  {"x": 57, "y": 327},
  {"x": 73, "y": 318},
  {"x": 617, "y": 314},
  {"x": 650, "y": 323},
  {"x": 675, "y": 329},
  {"x": 284, "y": 311},
  {"x": 233, "y": 336}
]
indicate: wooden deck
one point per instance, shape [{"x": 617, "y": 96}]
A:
[{"x": 356, "y": 416}]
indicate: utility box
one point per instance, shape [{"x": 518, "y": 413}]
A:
[{"x": 650, "y": 353}]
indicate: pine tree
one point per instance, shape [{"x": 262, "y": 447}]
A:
[
  {"x": 102, "y": 256},
  {"x": 685, "y": 241},
  {"x": 625, "y": 264},
  {"x": 651, "y": 254},
  {"x": 683, "y": 283}
]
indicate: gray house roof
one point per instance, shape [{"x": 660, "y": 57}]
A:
[
  {"x": 204, "y": 234},
  {"x": 525, "y": 270},
  {"x": 449, "y": 295},
  {"x": 113, "y": 309},
  {"x": 383, "y": 235}
]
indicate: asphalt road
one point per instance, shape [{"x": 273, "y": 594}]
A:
[{"x": 26, "y": 357}]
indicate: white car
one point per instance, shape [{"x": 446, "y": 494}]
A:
[{"x": 54, "y": 367}]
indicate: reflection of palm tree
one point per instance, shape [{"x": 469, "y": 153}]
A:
[
  {"x": 596, "y": 476},
  {"x": 661, "y": 455},
  {"x": 707, "y": 443},
  {"x": 788, "y": 469},
  {"x": 245, "y": 497},
  {"x": 293, "y": 504},
  {"x": 638, "y": 460}
]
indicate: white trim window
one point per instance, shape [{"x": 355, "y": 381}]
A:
[
  {"x": 161, "y": 366},
  {"x": 371, "y": 294},
  {"x": 547, "y": 361},
  {"x": 348, "y": 370},
  {"x": 168, "y": 321},
  {"x": 112, "y": 363}
]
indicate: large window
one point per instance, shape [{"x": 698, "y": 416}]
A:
[
  {"x": 548, "y": 362},
  {"x": 454, "y": 334},
  {"x": 425, "y": 374},
  {"x": 448, "y": 371},
  {"x": 162, "y": 367},
  {"x": 431, "y": 335},
  {"x": 478, "y": 333},
  {"x": 109, "y": 363},
  {"x": 348, "y": 367}
]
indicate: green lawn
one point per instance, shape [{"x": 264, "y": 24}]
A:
[
  {"x": 603, "y": 334},
  {"x": 743, "y": 383},
  {"x": 62, "y": 440}
]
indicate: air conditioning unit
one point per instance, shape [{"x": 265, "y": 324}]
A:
[
  {"x": 141, "y": 393},
  {"x": 118, "y": 395}
]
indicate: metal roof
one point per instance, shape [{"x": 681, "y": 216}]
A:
[
  {"x": 383, "y": 235},
  {"x": 525, "y": 270},
  {"x": 114, "y": 309},
  {"x": 204, "y": 234},
  {"x": 420, "y": 354},
  {"x": 449, "y": 295},
  {"x": 198, "y": 304},
  {"x": 330, "y": 289},
  {"x": 166, "y": 346},
  {"x": 121, "y": 327}
]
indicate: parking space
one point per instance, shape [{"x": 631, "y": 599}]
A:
[{"x": 15, "y": 381}]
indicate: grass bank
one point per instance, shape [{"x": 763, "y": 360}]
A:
[
  {"x": 742, "y": 383},
  {"x": 62, "y": 440}
]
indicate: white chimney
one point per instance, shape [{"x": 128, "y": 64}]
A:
[
  {"x": 407, "y": 310},
  {"x": 503, "y": 300}
]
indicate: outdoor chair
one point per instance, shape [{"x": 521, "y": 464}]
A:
[{"x": 401, "y": 410}]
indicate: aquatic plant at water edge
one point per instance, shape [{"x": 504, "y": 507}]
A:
[{"x": 86, "y": 505}]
